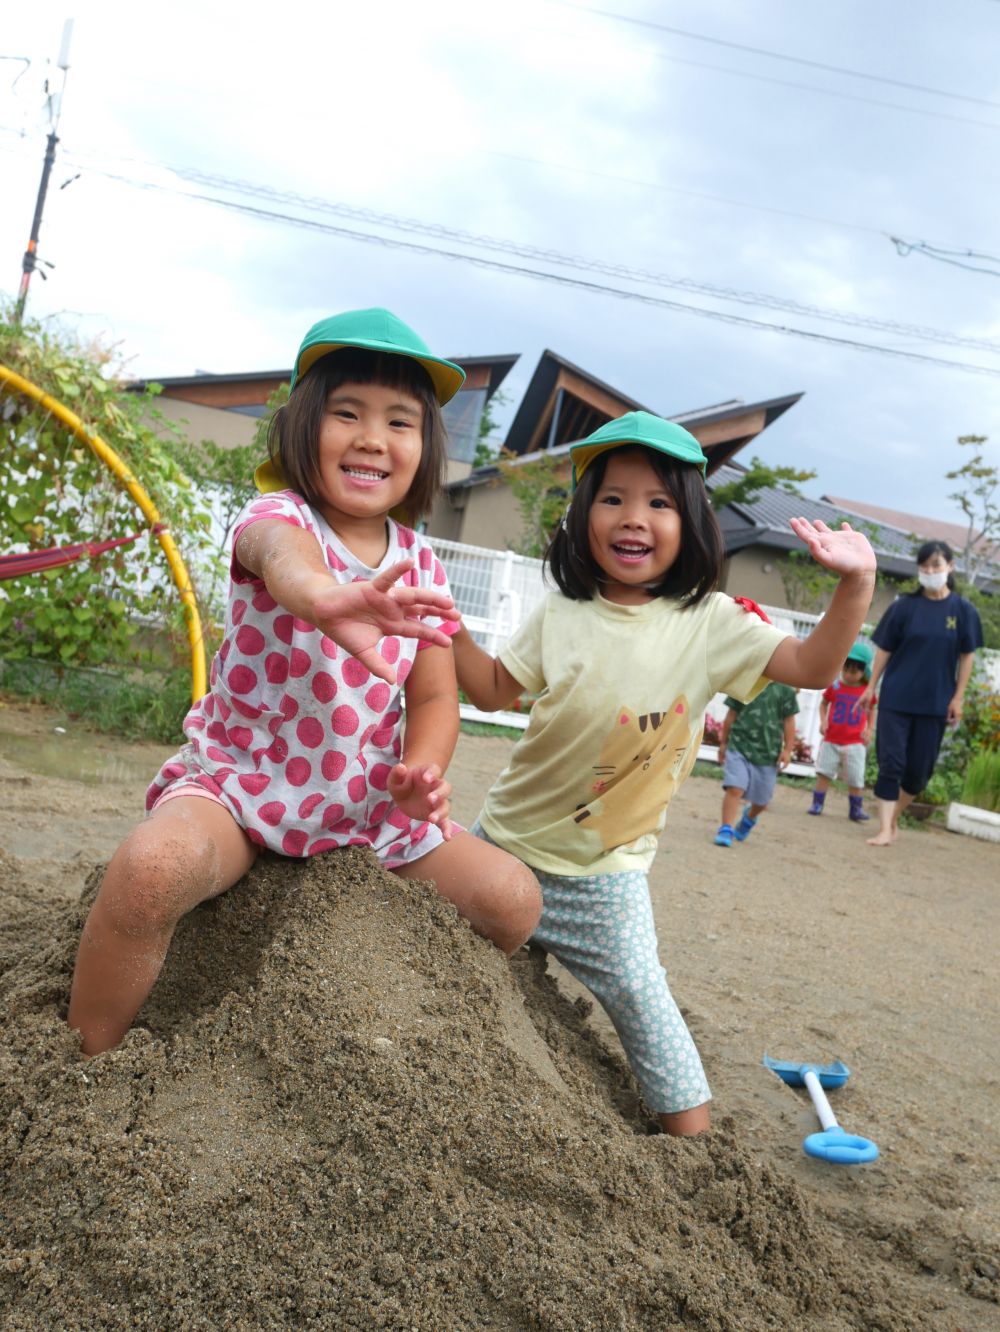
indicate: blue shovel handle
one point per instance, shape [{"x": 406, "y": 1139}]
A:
[{"x": 841, "y": 1148}]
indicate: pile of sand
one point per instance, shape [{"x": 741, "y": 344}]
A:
[{"x": 341, "y": 1107}]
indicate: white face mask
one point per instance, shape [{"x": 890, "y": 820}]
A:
[{"x": 934, "y": 582}]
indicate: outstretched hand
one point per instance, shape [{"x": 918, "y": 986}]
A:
[
  {"x": 358, "y": 615},
  {"x": 422, "y": 792},
  {"x": 844, "y": 552}
]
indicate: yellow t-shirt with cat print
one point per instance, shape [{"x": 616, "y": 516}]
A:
[{"x": 617, "y": 724}]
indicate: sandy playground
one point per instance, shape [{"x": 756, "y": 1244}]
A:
[{"x": 341, "y": 1109}]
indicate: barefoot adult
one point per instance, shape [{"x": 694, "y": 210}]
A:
[{"x": 924, "y": 645}]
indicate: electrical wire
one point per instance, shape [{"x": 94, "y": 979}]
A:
[
  {"x": 810, "y": 88},
  {"x": 561, "y": 279},
  {"x": 904, "y": 248},
  {"x": 775, "y": 55},
  {"x": 640, "y": 275}
]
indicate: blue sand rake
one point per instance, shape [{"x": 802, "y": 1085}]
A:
[{"x": 833, "y": 1144}]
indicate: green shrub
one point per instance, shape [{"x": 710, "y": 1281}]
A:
[
  {"x": 982, "y": 781},
  {"x": 133, "y": 705}
]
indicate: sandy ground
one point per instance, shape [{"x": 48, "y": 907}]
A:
[{"x": 491, "y": 1116}]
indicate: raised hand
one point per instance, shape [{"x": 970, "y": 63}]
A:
[
  {"x": 357, "y": 615},
  {"x": 422, "y": 792},
  {"x": 844, "y": 552}
]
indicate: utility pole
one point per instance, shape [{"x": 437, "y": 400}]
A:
[{"x": 30, "y": 260}]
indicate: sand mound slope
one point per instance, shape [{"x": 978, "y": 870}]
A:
[{"x": 340, "y": 1107}]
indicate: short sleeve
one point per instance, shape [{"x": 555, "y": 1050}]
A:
[
  {"x": 790, "y": 702},
  {"x": 283, "y": 506},
  {"x": 829, "y": 694},
  {"x": 971, "y": 636},
  {"x": 522, "y": 656},
  {"x": 740, "y": 644},
  {"x": 733, "y": 703},
  {"x": 889, "y": 631}
]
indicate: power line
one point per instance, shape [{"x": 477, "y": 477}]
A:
[
  {"x": 593, "y": 173},
  {"x": 955, "y": 257},
  {"x": 647, "y": 276},
  {"x": 805, "y": 87},
  {"x": 560, "y": 279},
  {"x": 777, "y": 55}
]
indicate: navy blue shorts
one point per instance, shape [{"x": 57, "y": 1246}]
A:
[{"x": 907, "y": 747}]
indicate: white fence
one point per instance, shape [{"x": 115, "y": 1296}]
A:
[{"x": 496, "y": 589}]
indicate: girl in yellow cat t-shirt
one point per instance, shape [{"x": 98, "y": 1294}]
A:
[{"x": 624, "y": 659}]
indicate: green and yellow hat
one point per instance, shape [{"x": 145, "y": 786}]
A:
[
  {"x": 645, "y": 429},
  {"x": 373, "y": 330}
]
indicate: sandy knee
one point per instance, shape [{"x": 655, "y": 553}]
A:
[{"x": 154, "y": 879}]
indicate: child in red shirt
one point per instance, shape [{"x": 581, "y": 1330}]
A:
[{"x": 846, "y": 728}]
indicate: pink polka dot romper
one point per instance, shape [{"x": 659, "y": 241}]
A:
[{"x": 295, "y": 737}]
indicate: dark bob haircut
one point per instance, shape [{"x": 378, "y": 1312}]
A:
[
  {"x": 927, "y": 552},
  {"x": 293, "y": 432},
  {"x": 698, "y": 567}
]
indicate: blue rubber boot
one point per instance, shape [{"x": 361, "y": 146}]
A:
[
  {"x": 745, "y": 826},
  {"x": 817, "y": 805},
  {"x": 724, "y": 837},
  {"x": 857, "y": 814}
]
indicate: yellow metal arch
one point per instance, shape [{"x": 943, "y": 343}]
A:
[{"x": 111, "y": 460}]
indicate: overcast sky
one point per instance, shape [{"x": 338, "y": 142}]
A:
[{"x": 647, "y": 159}]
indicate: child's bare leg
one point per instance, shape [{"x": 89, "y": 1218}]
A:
[
  {"x": 497, "y": 894},
  {"x": 754, "y": 811},
  {"x": 732, "y": 799},
  {"x": 189, "y": 850},
  {"x": 686, "y": 1123},
  {"x": 822, "y": 784}
]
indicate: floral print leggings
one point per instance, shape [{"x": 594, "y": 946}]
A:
[{"x": 601, "y": 929}]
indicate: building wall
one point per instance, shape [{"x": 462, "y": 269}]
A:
[
  {"x": 489, "y": 517},
  {"x": 227, "y": 429}
]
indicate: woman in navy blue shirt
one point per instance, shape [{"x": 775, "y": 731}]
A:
[{"x": 924, "y": 649}]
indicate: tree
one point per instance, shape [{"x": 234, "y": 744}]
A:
[
  {"x": 978, "y": 497},
  {"x": 54, "y": 492},
  {"x": 541, "y": 500},
  {"x": 224, "y": 477},
  {"x": 487, "y": 448},
  {"x": 757, "y": 477}
]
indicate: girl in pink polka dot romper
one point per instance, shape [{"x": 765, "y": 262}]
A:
[{"x": 335, "y": 608}]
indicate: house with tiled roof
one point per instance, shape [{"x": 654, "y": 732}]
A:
[
  {"x": 561, "y": 405},
  {"x": 759, "y": 539}
]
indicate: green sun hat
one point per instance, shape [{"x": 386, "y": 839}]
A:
[
  {"x": 378, "y": 331},
  {"x": 652, "y": 432},
  {"x": 374, "y": 330},
  {"x": 864, "y": 655}
]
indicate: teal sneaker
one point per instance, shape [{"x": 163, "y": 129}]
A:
[
  {"x": 745, "y": 827},
  {"x": 724, "y": 837}
]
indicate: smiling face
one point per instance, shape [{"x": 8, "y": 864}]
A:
[
  {"x": 634, "y": 528},
  {"x": 370, "y": 441}
]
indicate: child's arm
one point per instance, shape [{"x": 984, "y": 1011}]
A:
[
  {"x": 788, "y": 745},
  {"x": 487, "y": 683},
  {"x": 355, "y": 615},
  {"x": 824, "y": 716},
  {"x": 814, "y": 661},
  {"x": 417, "y": 783},
  {"x": 727, "y": 726}
]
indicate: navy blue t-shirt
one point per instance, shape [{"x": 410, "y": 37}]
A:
[{"x": 925, "y": 639}]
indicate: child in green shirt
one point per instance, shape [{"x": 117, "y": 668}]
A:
[{"x": 757, "y": 742}]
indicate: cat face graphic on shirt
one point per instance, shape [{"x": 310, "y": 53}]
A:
[{"x": 643, "y": 759}]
